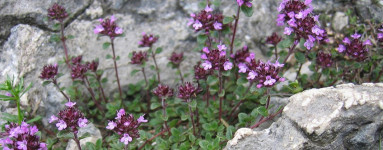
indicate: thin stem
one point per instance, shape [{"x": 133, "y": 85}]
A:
[
  {"x": 240, "y": 102},
  {"x": 115, "y": 68},
  {"x": 291, "y": 51},
  {"x": 276, "y": 52},
  {"x": 20, "y": 117},
  {"x": 147, "y": 141},
  {"x": 235, "y": 30},
  {"x": 380, "y": 75},
  {"x": 220, "y": 91},
  {"x": 147, "y": 91},
  {"x": 164, "y": 114},
  {"x": 54, "y": 81},
  {"x": 87, "y": 85},
  {"x": 191, "y": 117},
  {"x": 63, "y": 39},
  {"x": 100, "y": 87},
  {"x": 266, "y": 119},
  {"x": 179, "y": 70},
  {"x": 155, "y": 63},
  {"x": 267, "y": 102},
  {"x": 207, "y": 95},
  {"x": 77, "y": 140},
  {"x": 146, "y": 80},
  {"x": 299, "y": 71}
]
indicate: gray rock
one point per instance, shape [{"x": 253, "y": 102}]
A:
[
  {"x": 339, "y": 21},
  {"x": 346, "y": 117},
  {"x": 94, "y": 132}
]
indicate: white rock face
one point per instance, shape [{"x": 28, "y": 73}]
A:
[{"x": 346, "y": 117}]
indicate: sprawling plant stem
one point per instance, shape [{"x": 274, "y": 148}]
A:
[
  {"x": 54, "y": 81},
  {"x": 63, "y": 40},
  {"x": 235, "y": 30},
  {"x": 155, "y": 63},
  {"x": 87, "y": 85},
  {"x": 291, "y": 51},
  {"x": 220, "y": 91},
  {"x": 181, "y": 76},
  {"x": 164, "y": 114},
  {"x": 276, "y": 52},
  {"x": 147, "y": 91},
  {"x": 266, "y": 119},
  {"x": 77, "y": 140},
  {"x": 98, "y": 78},
  {"x": 191, "y": 117},
  {"x": 115, "y": 68},
  {"x": 240, "y": 102}
]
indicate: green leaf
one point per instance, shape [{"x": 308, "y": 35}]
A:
[
  {"x": 6, "y": 98},
  {"x": 227, "y": 20},
  {"x": 300, "y": 57},
  {"x": 287, "y": 42},
  {"x": 229, "y": 132},
  {"x": 242, "y": 117},
  {"x": 117, "y": 58},
  {"x": 241, "y": 81},
  {"x": 212, "y": 80},
  {"x": 108, "y": 56},
  {"x": 106, "y": 45},
  {"x": 201, "y": 39},
  {"x": 248, "y": 11},
  {"x": 226, "y": 73},
  {"x": 222, "y": 94},
  {"x": 158, "y": 50},
  {"x": 202, "y": 4},
  {"x": 263, "y": 111},
  {"x": 64, "y": 135},
  {"x": 164, "y": 118},
  {"x": 37, "y": 118},
  {"x": 193, "y": 104},
  {"x": 70, "y": 37},
  {"x": 9, "y": 117},
  {"x": 46, "y": 83},
  {"x": 90, "y": 146},
  {"x": 134, "y": 72},
  {"x": 87, "y": 134}
]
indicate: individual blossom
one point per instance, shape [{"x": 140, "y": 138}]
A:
[
  {"x": 21, "y": 137},
  {"x": 274, "y": 39},
  {"x": 187, "y": 91},
  {"x": 176, "y": 58},
  {"x": 354, "y": 47},
  {"x": 57, "y": 12},
  {"x": 139, "y": 58},
  {"x": 92, "y": 66},
  {"x": 206, "y": 20},
  {"x": 298, "y": 17},
  {"x": 49, "y": 72},
  {"x": 324, "y": 59},
  {"x": 200, "y": 73},
  {"x": 77, "y": 60},
  {"x": 264, "y": 74},
  {"x": 78, "y": 71},
  {"x": 246, "y": 2},
  {"x": 126, "y": 126},
  {"x": 216, "y": 59},
  {"x": 108, "y": 27},
  {"x": 163, "y": 91},
  {"x": 70, "y": 118},
  {"x": 147, "y": 40}
]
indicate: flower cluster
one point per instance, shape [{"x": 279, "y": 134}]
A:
[
  {"x": 147, "y": 40},
  {"x": 246, "y": 2},
  {"x": 70, "y": 117},
  {"x": 242, "y": 55},
  {"x": 77, "y": 60},
  {"x": 274, "y": 39},
  {"x": 299, "y": 19},
  {"x": 57, "y": 12},
  {"x": 126, "y": 126},
  {"x": 324, "y": 59},
  {"x": 187, "y": 91},
  {"x": 163, "y": 91},
  {"x": 265, "y": 74},
  {"x": 139, "y": 58},
  {"x": 108, "y": 27},
  {"x": 78, "y": 71},
  {"x": 49, "y": 72},
  {"x": 21, "y": 137},
  {"x": 92, "y": 66},
  {"x": 200, "y": 73},
  {"x": 176, "y": 59},
  {"x": 206, "y": 20},
  {"x": 216, "y": 59},
  {"x": 355, "y": 48}
]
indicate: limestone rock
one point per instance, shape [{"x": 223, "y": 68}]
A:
[
  {"x": 94, "y": 132},
  {"x": 339, "y": 21},
  {"x": 346, "y": 117}
]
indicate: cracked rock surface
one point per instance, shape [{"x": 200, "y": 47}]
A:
[{"x": 345, "y": 117}]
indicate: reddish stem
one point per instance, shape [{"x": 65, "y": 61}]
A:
[
  {"x": 54, "y": 81},
  {"x": 191, "y": 117},
  {"x": 266, "y": 119},
  {"x": 155, "y": 63},
  {"x": 100, "y": 87},
  {"x": 63, "y": 39},
  {"x": 240, "y": 102},
  {"x": 147, "y": 141},
  {"x": 235, "y": 30},
  {"x": 87, "y": 85},
  {"x": 77, "y": 140},
  {"x": 115, "y": 68}
]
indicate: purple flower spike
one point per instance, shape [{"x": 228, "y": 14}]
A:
[
  {"x": 356, "y": 48},
  {"x": 53, "y": 119},
  {"x": 206, "y": 20},
  {"x": 49, "y": 72},
  {"x": 57, "y": 12}
]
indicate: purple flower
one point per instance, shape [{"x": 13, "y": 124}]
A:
[
  {"x": 227, "y": 65},
  {"x": 53, "y": 119},
  {"x": 346, "y": 40},
  {"x": 197, "y": 25},
  {"x": 8, "y": 94},
  {"x": 221, "y": 47},
  {"x": 356, "y": 48},
  {"x": 288, "y": 30},
  {"x": 309, "y": 44},
  {"x": 118, "y": 30},
  {"x": 200, "y": 73},
  {"x": 324, "y": 59},
  {"x": 266, "y": 74},
  {"x": 380, "y": 36},
  {"x": 70, "y": 104},
  {"x": 217, "y": 26},
  {"x": 356, "y": 36},
  {"x": 33, "y": 130},
  {"x": 22, "y": 145},
  {"x": 111, "y": 125},
  {"x": 82, "y": 122},
  {"x": 274, "y": 39},
  {"x": 139, "y": 58},
  {"x": 93, "y": 66},
  {"x": 126, "y": 139},
  {"x": 246, "y": 2},
  {"x": 98, "y": 29},
  {"x": 61, "y": 125},
  {"x": 141, "y": 119},
  {"x": 269, "y": 81},
  {"x": 242, "y": 68},
  {"x": 49, "y": 72},
  {"x": 78, "y": 71},
  {"x": 187, "y": 91},
  {"x": 176, "y": 58},
  {"x": 148, "y": 40},
  {"x": 367, "y": 42},
  {"x": 108, "y": 27},
  {"x": 252, "y": 75},
  {"x": 206, "y": 65},
  {"x": 208, "y": 9},
  {"x": 120, "y": 113}
]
